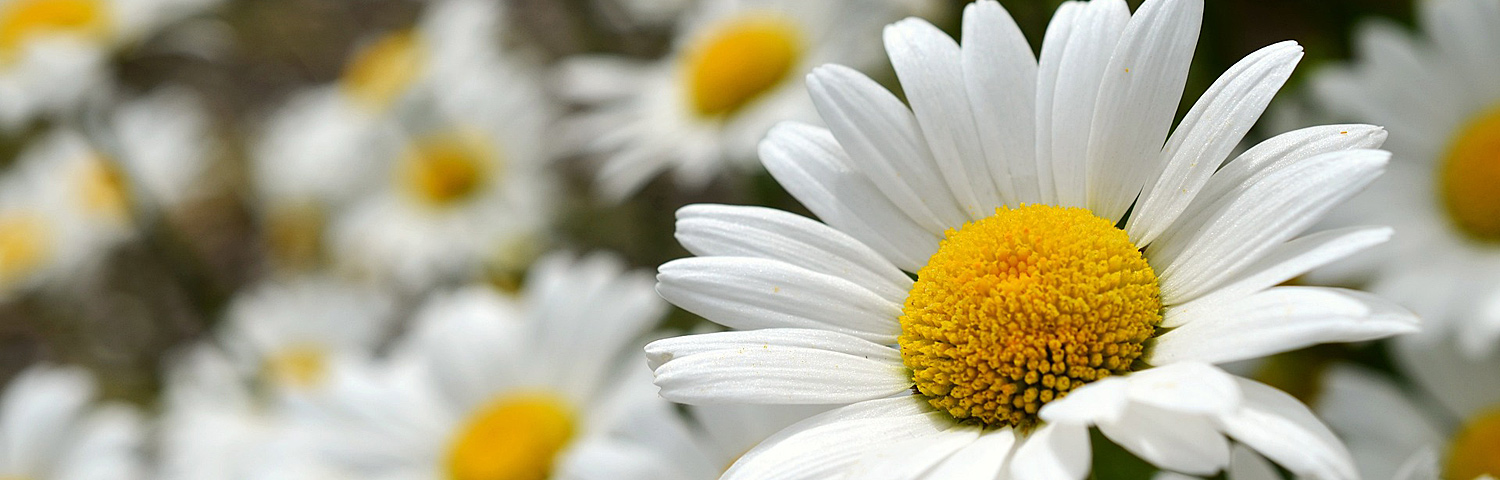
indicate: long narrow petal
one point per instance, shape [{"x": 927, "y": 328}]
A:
[
  {"x": 930, "y": 67},
  {"x": 809, "y": 163},
  {"x": 775, "y": 374},
  {"x": 749, "y": 293},
  {"x": 734, "y": 231},
  {"x": 1000, "y": 75},
  {"x": 1170, "y": 439},
  {"x": 1267, "y": 213},
  {"x": 984, "y": 459},
  {"x": 1138, "y": 99},
  {"x": 1278, "y": 320},
  {"x": 1077, "y": 48},
  {"x": 840, "y": 437},
  {"x": 903, "y": 459},
  {"x": 668, "y": 349},
  {"x": 1208, "y": 133},
  {"x": 1282, "y": 263},
  {"x": 1056, "y": 451},
  {"x": 884, "y": 141},
  {"x": 1276, "y": 153},
  {"x": 1284, "y": 430}
]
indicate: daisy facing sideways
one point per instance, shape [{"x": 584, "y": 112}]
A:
[
  {"x": 487, "y": 386},
  {"x": 1039, "y": 309},
  {"x": 1436, "y": 91},
  {"x": 733, "y": 73}
]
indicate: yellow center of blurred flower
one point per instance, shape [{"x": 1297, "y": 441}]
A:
[
  {"x": 515, "y": 438},
  {"x": 23, "y": 245},
  {"x": 379, "y": 72},
  {"x": 103, "y": 189},
  {"x": 446, "y": 169},
  {"x": 1471, "y": 178},
  {"x": 297, "y": 366},
  {"x": 21, "y": 20},
  {"x": 1475, "y": 451},
  {"x": 1020, "y": 308},
  {"x": 739, "y": 61}
]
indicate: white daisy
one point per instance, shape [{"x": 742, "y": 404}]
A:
[
  {"x": 54, "y": 53},
  {"x": 1436, "y": 93},
  {"x": 487, "y": 386},
  {"x": 1037, "y": 310},
  {"x": 164, "y": 145},
  {"x": 51, "y": 429},
  {"x": 732, "y": 74},
  {"x": 214, "y": 426},
  {"x": 1453, "y": 432},
  {"x": 29, "y": 230},
  {"x": 288, "y": 333}
]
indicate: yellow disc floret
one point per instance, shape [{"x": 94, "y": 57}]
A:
[
  {"x": 1020, "y": 308},
  {"x": 301, "y": 366},
  {"x": 739, "y": 61},
  {"x": 378, "y": 73},
  {"x": 1475, "y": 451},
  {"x": 517, "y": 437},
  {"x": 25, "y": 241},
  {"x": 1470, "y": 175},
  {"x": 23, "y": 20},
  {"x": 447, "y": 169}
]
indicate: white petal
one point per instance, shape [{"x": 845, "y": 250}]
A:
[
  {"x": 665, "y": 350},
  {"x": 1000, "y": 76},
  {"x": 826, "y": 445},
  {"x": 1423, "y": 466},
  {"x": 1170, "y": 439},
  {"x": 930, "y": 67},
  {"x": 1281, "y": 428},
  {"x": 1278, "y": 320},
  {"x": 1465, "y": 33},
  {"x": 1056, "y": 451},
  {"x": 984, "y": 459},
  {"x": 1272, "y": 210},
  {"x": 1137, "y": 101},
  {"x": 1077, "y": 48},
  {"x": 749, "y": 293},
  {"x": 1208, "y": 134},
  {"x": 778, "y": 374},
  {"x": 1351, "y": 396},
  {"x": 902, "y": 459},
  {"x": 1278, "y": 152},
  {"x": 813, "y": 168},
  {"x": 732, "y": 231},
  {"x": 1103, "y": 400},
  {"x": 883, "y": 141},
  {"x": 1282, "y": 263},
  {"x": 1185, "y": 387},
  {"x": 1245, "y": 464}
]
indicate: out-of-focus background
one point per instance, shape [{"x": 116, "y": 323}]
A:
[{"x": 186, "y": 247}]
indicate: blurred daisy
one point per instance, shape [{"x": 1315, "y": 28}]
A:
[
  {"x": 51, "y": 429},
  {"x": 54, "y": 53},
  {"x": 214, "y": 426},
  {"x": 1437, "y": 95},
  {"x": 734, "y": 71},
  {"x": 28, "y": 231},
  {"x": 289, "y": 333},
  {"x": 1454, "y": 433},
  {"x": 1038, "y": 310},
  {"x": 330, "y": 144},
  {"x": 489, "y": 387},
  {"x": 164, "y": 145},
  {"x": 468, "y": 188}
]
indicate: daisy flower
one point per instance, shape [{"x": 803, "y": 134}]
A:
[
  {"x": 52, "y": 429},
  {"x": 1038, "y": 309},
  {"x": 1451, "y": 432},
  {"x": 489, "y": 386},
  {"x": 54, "y": 53},
  {"x": 164, "y": 145},
  {"x": 1434, "y": 92},
  {"x": 289, "y": 333},
  {"x": 731, "y": 75}
]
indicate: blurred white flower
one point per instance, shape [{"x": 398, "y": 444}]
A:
[
  {"x": 52, "y": 429},
  {"x": 164, "y": 145},
  {"x": 54, "y": 53},
  {"x": 1437, "y": 95},
  {"x": 735, "y": 70},
  {"x": 289, "y": 333},
  {"x": 487, "y": 386},
  {"x": 1038, "y": 310}
]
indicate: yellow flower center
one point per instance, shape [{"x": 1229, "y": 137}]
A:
[
  {"x": 22, "y": 20},
  {"x": 446, "y": 169},
  {"x": 103, "y": 189},
  {"x": 1020, "y": 308},
  {"x": 739, "y": 61},
  {"x": 378, "y": 73},
  {"x": 1475, "y": 451},
  {"x": 297, "y": 366},
  {"x": 23, "y": 245},
  {"x": 1469, "y": 177},
  {"x": 515, "y": 438}
]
